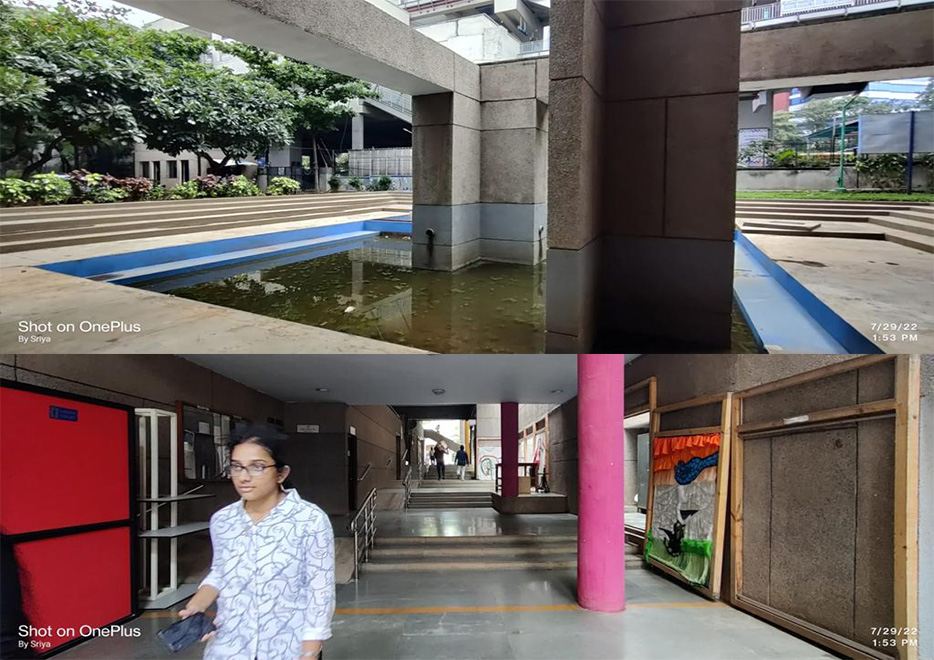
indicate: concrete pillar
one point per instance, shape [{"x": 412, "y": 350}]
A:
[
  {"x": 642, "y": 152},
  {"x": 514, "y": 161},
  {"x": 509, "y": 442},
  {"x": 446, "y": 181},
  {"x": 601, "y": 536},
  {"x": 356, "y": 132}
]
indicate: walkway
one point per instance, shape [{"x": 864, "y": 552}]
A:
[{"x": 506, "y": 615}]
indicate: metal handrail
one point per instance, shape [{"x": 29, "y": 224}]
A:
[
  {"x": 407, "y": 486},
  {"x": 369, "y": 466},
  {"x": 773, "y": 14},
  {"x": 367, "y": 528}
]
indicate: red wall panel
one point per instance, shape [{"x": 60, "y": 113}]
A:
[
  {"x": 73, "y": 581},
  {"x": 59, "y": 473}
]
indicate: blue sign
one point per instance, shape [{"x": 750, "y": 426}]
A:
[{"x": 63, "y": 414}]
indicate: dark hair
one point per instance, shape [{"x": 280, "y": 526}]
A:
[{"x": 268, "y": 437}]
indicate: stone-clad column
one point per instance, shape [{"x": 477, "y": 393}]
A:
[
  {"x": 514, "y": 161},
  {"x": 446, "y": 181},
  {"x": 642, "y": 156},
  {"x": 601, "y": 536}
]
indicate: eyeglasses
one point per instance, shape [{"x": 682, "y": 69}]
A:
[{"x": 255, "y": 469}]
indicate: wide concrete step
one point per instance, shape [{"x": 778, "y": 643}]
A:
[
  {"x": 454, "y": 552},
  {"x": 517, "y": 540},
  {"x": 910, "y": 239},
  {"x": 555, "y": 564},
  {"x": 186, "y": 216},
  {"x": 916, "y": 214},
  {"x": 450, "y": 505},
  {"x": 193, "y": 226},
  {"x": 903, "y": 224},
  {"x": 827, "y": 233},
  {"x": 831, "y": 202},
  {"x": 449, "y": 497},
  {"x": 204, "y": 205},
  {"x": 810, "y": 216},
  {"x": 823, "y": 210}
]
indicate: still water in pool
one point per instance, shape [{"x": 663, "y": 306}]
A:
[{"x": 372, "y": 291}]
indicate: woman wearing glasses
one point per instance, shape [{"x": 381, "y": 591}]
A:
[{"x": 272, "y": 573}]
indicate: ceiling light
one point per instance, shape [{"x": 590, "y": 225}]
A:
[
  {"x": 438, "y": 391},
  {"x": 322, "y": 389},
  {"x": 557, "y": 391}
]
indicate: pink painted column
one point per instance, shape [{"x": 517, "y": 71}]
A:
[
  {"x": 601, "y": 536},
  {"x": 509, "y": 444}
]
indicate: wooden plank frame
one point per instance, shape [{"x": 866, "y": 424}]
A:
[
  {"x": 905, "y": 408},
  {"x": 712, "y": 590},
  {"x": 651, "y": 384}
]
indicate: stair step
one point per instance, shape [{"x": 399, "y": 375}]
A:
[
  {"x": 473, "y": 551},
  {"x": 910, "y": 239},
  {"x": 810, "y": 216},
  {"x": 504, "y": 539},
  {"x": 923, "y": 227},
  {"x": 826, "y": 233},
  {"x": 500, "y": 565},
  {"x": 460, "y": 505}
]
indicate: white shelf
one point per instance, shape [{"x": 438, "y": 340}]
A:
[
  {"x": 174, "y": 532},
  {"x": 168, "y": 598},
  {"x": 174, "y": 498}
]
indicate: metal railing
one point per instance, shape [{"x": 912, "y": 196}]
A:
[
  {"x": 534, "y": 47},
  {"x": 779, "y": 13},
  {"x": 407, "y": 486},
  {"x": 392, "y": 98},
  {"x": 369, "y": 466},
  {"x": 363, "y": 524}
]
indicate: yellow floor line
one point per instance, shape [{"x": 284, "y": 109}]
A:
[{"x": 482, "y": 608}]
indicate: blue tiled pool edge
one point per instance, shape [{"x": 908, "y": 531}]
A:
[
  {"x": 111, "y": 263},
  {"x": 816, "y": 327}
]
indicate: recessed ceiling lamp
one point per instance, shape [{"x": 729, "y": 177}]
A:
[
  {"x": 438, "y": 391},
  {"x": 557, "y": 391},
  {"x": 322, "y": 389}
]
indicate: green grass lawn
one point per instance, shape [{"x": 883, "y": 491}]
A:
[{"x": 832, "y": 194}]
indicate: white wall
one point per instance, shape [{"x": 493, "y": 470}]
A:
[
  {"x": 753, "y": 179},
  {"x": 476, "y": 38}
]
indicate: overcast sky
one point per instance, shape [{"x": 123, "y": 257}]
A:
[{"x": 135, "y": 16}]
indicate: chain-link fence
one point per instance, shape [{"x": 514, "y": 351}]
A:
[{"x": 796, "y": 154}]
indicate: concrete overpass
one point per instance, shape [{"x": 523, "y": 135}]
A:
[{"x": 882, "y": 46}]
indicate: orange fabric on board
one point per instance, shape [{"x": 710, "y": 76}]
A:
[{"x": 668, "y": 452}]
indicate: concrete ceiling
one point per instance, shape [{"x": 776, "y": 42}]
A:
[{"x": 404, "y": 380}]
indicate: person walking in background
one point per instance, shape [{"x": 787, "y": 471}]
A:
[
  {"x": 439, "y": 453},
  {"x": 461, "y": 460}
]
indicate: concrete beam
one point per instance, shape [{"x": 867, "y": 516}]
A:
[
  {"x": 874, "y": 47},
  {"x": 352, "y": 37}
]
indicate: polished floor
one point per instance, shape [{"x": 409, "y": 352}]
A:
[{"x": 510, "y": 615}]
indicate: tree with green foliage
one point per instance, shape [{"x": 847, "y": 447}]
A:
[
  {"x": 819, "y": 114},
  {"x": 784, "y": 130},
  {"x": 198, "y": 109}
]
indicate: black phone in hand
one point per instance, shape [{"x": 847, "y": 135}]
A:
[{"x": 182, "y": 634}]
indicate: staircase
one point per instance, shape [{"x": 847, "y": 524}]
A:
[
  {"x": 909, "y": 224},
  {"x": 452, "y": 493},
  {"x": 479, "y": 553}
]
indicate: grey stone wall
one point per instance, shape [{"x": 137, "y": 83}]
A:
[
  {"x": 642, "y": 158},
  {"x": 479, "y": 167},
  {"x": 377, "y": 428}
]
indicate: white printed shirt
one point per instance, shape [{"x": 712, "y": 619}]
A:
[{"x": 275, "y": 578}]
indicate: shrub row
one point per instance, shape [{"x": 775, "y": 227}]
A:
[
  {"x": 381, "y": 184},
  {"x": 81, "y": 186}
]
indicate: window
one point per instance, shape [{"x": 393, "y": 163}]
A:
[
  {"x": 173, "y": 169},
  {"x": 156, "y": 171},
  {"x": 186, "y": 172},
  {"x": 144, "y": 168}
]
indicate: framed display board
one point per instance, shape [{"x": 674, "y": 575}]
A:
[
  {"x": 644, "y": 395},
  {"x": 689, "y": 449},
  {"x": 67, "y": 489},
  {"x": 825, "y": 505}
]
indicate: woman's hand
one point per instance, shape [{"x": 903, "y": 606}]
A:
[
  {"x": 194, "y": 608},
  {"x": 310, "y": 650}
]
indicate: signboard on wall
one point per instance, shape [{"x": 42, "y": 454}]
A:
[{"x": 889, "y": 134}]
